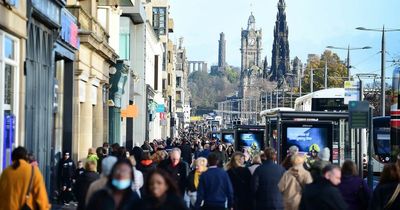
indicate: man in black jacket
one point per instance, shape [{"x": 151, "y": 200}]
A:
[
  {"x": 322, "y": 194},
  {"x": 265, "y": 181},
  {"x": 177, "y": 168},
  {"x": 66, "y": 170},
  {"x": 186, "y": 152}
]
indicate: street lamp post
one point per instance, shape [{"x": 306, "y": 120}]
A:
[
  {"x": 348, "y": 66},
  {"x": 383, "y": 51}
]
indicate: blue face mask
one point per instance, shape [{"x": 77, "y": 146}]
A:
[{"x": 121, "y": 184}]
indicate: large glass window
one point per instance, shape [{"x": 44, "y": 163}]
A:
[
  {"x": 9, "y": 48},
  {"x": 124, "y": 42},
  {"x": 124, "y": 38},
  {"x": 159, "y": 20},
  {"x": 8, "y": 84}
]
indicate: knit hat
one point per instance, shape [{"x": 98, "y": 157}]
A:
[
  {"x": 293, "y": 150},
  {"x": 107, "y": 164},
  {"x": 325, "y": 154}
]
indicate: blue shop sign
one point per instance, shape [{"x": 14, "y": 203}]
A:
[
  {"x": 160, "y": 108},
  {"x": 48, "y": 8},
  {"x": 69, "y": 29}
]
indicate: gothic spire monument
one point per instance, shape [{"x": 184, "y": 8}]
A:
[{"x": 280, "y": 49}]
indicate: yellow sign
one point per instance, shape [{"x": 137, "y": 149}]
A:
[
  {"x": 131, "y": 111},
  {"x": 195, "y": 118}
]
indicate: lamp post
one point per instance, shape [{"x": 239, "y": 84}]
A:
[
  {"x": 383, "y": 51},
  {"x": 312, "y": 78},
  {"x": 348, "y": 66}
]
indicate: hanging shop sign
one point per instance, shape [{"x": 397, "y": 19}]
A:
[
  {"x": 69, "y": 29},
  {"x": 160, "y": 108},
  {"x": 131, "y": 111}
]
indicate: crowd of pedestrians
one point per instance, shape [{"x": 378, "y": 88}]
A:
[{"x": 196, "y": 173}]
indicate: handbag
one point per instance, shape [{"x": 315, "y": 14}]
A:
[
  {"x": 393, "y": 198},
  {"x": 25, "y": 206}
]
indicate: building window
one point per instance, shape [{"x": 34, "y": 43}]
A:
[
  {"x": 8, "y": 84},
  {"x": 164, "y": 58},
  {"x": 178, "y": 82},
  {"x": 164, "y": 86},
  {"x": 9, "y": 48},
  {"x": 9, "y": 68},
  {"x": 124, "y": 50},
  {"x": 159, "y": 20},
  {"x": 156, "y": 72},
  {"x": 124, "y": 39}
]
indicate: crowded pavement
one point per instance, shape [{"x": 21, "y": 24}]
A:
[
  {"x": 195, "y": 172},
  {"x": 199, "y": 105}
]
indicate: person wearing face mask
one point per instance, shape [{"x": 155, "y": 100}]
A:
[
  {"x": 176, "y": 168},
  {"x": 163, "y": 193},
  {"x": 323, "y": 193},
  {"x": 118, "y": 193}
]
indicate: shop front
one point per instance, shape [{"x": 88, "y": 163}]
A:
[
  {"x": 43, "y": 31},
  {"x": 12, "y": 56}
]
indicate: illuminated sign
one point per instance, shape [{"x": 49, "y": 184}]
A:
[{"x": 69, "y": 29}]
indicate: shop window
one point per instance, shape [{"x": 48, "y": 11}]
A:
[
  {"x": 9, "y": 48},
  {"x": 8, "y": 84}
]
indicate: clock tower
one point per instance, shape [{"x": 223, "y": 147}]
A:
[{"x": 251, "y": 45}]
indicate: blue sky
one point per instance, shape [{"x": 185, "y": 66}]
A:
[{"x": 313, "y": 25}]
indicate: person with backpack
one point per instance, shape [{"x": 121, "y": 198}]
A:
[{"x": 293, "y": 181}]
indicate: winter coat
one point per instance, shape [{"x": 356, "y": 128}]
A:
[
  {"x": 145, "y": 166},
  {"x": 204, "y": 153},
  {"x": 186, "y": 153},
  {"x": 241, "y": 180},
  {"x": 172, "y": 202},
  {"x": 222, "y": 158},
  {"x": 66, "y": 172},
  {"x": 104, "y": 200},
  {"x": 190, "y": 186},
  {"x": 215, "y": 189},
  {"x": 82, "y": 186},
  {"x": 322, "y": 195},
  {"x": 316, "y": 168},
  {"x": 253, "y": 168},
  {"x": 382, "y": 195},
  {"x": 291, "y": 185},
  {"x": 14, "y": 186},
  {"x": 94, "y": 187},
  {"x": 178, "y": 173},
  {"x": 351, "y": 188},
  {"x": 264, "y": 186},
  {"x": 137, "y": 152}
]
